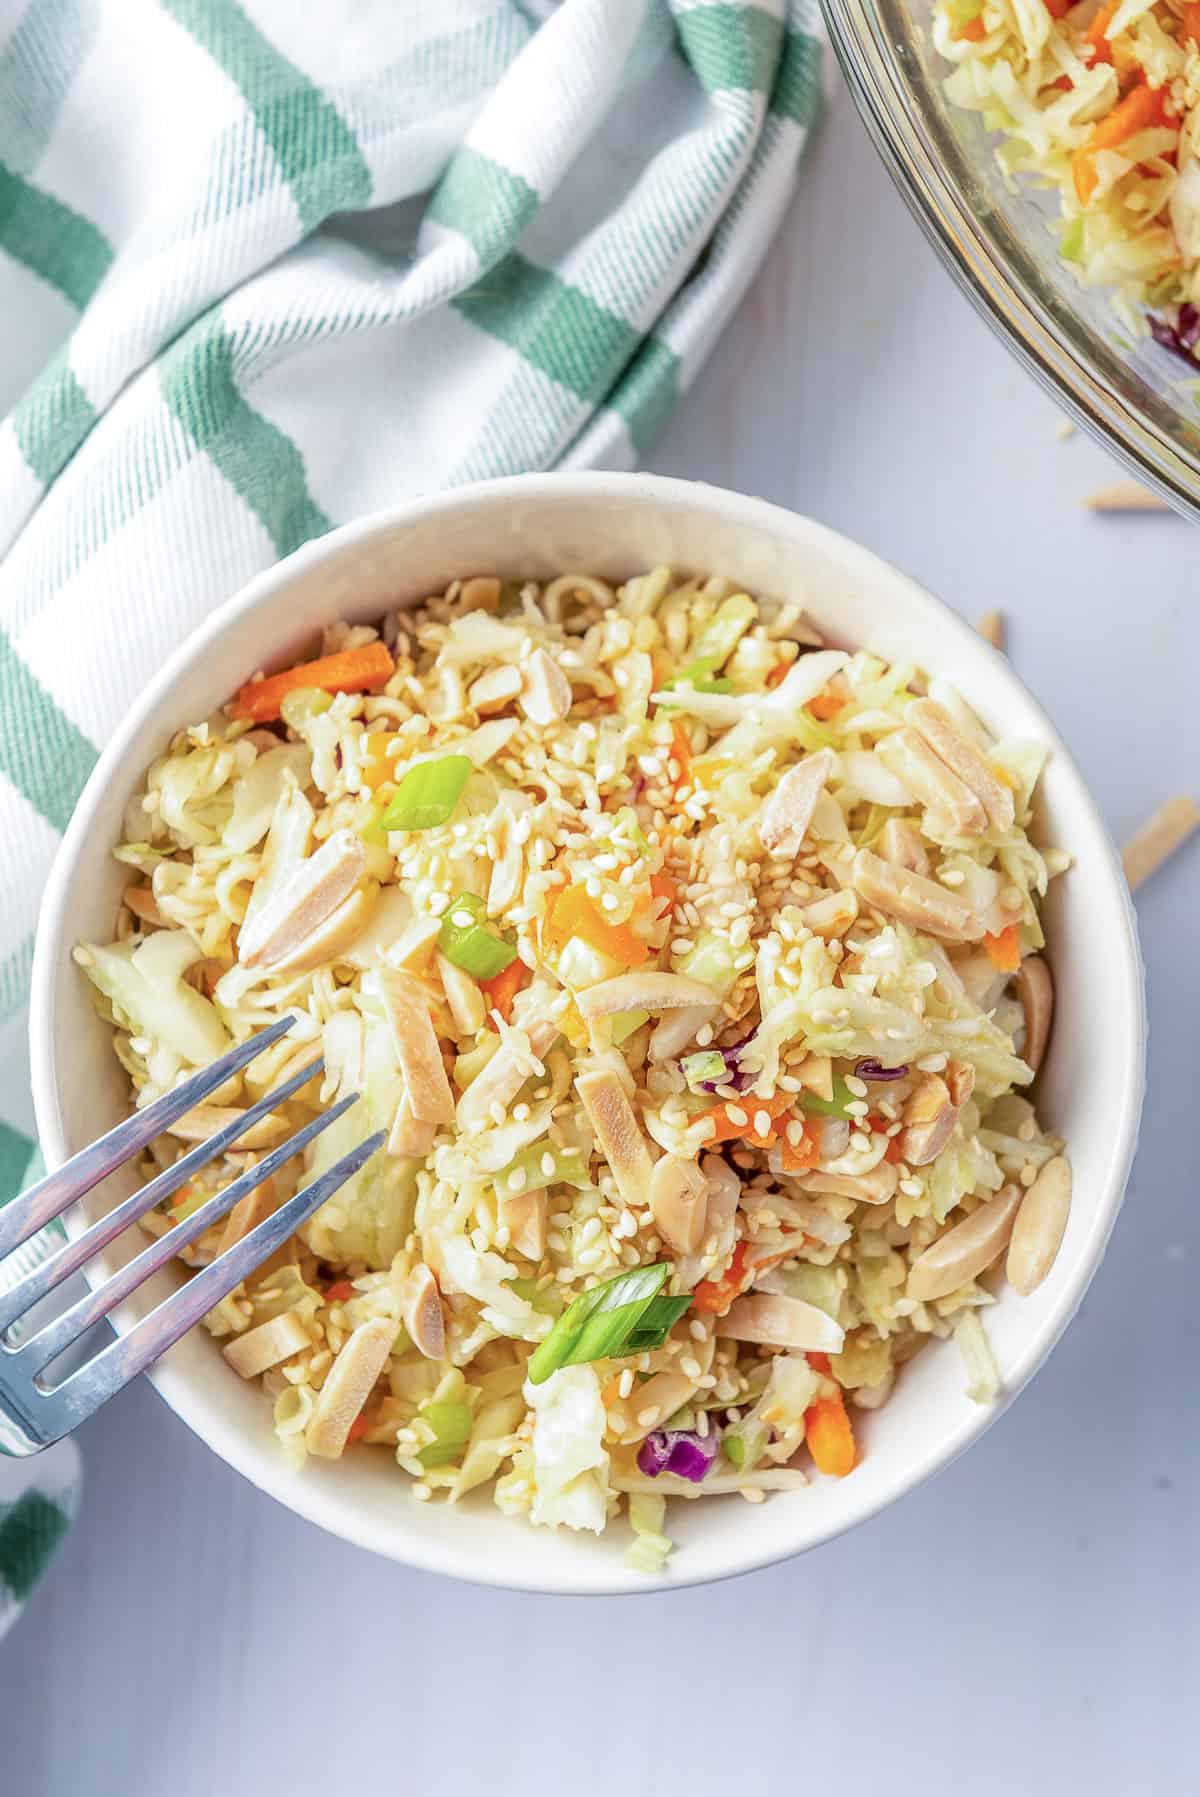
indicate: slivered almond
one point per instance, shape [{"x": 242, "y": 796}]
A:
[
  {"x": 873, "y": 1187},
  {"x": 265, "y": 1346},
  {"x": 463, "y": 997},
  {"x": 494, "y": 690},
  {"x": 507, "y": 870},
  {"x": 1159, "y": 837},
  {"x": 1035, "y": 989},
  {"x": 915, "y": 900},
  {"x": 966, "y": 1250},
  {"x": 679, "y": 1203},
  {"x": 411, "y": 1138},
  {"x": 900, "y": 843},
  {"x": 545, "y": 690},
  {"x": 331, "y": 939},
  {"x": 425, "y": 1084},
  {"x": 247, "y": 1214},
  {"x": 831, "y": 916},
  {"x": 788, "y": 811},
  {"x": 1040, "y": 1226},
  {"x": 505, "y": 1074},
  {"x": 964, "y": 759},
  {"x": 142, "y": 902},
  {"x": 953, "y": 809},
  {"x": 930, "y": 1116},
  {"x": 524, "y": 1215},
  {"x": 480, "y": 593},
  {"x": 815, "y": 1074},
  {"x": 202, "y": 1123},
  {"x": 304, "y": 900},
  {"x": 618, "y": 1132},
  {"x": 348, "y": 1384},
  {"x": 649, "y": 991},
  {"x": 991, "y": 629},
  {"x": 676, "y": 1029},
  {"x": 421, "y": 1311},
  {"x": 779, "y": 1322}
]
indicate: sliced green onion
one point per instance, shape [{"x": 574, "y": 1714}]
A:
[
  {"x": 829, "y": 1107},
  {"x": 187, "y": 1203},
  {"x": 428, "y": 794},
  {"x": 603, "y": 1323},
  {"x": 451, "y": 1425},
  {"x": 625, "y": 1023},
  {"x": 543, "y": 1299},
  {"x": 302, "y": 704},
  {"x": 708, "y": 1065},
  {"x": 657, "y": 1324},
  {"x": 627, "y": 817},
  {"x": 541, "y": 1166},
  {"x": 1071, "y": 246},
  {"x": 465, "y": 939}
]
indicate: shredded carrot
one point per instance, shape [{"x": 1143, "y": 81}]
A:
[
  {"x": 357, "y": 1429},
  {"x": 502, "y": 988},
  {"x": 681, "y": 752},
  {"x": 1141, "y": 108},
  {"x": 780, "y": 670},
  {"x": 1190, "y": 15},
  {"x": 664, "y": 892},
  {"x": 973, "y": 31},
  {"x": 827, "y": 703},
  {"x": 742, "y": 1126},
  {"x": 829, "y": 1437},
  {"x": 1004, "y": 950},
  {"x": 795, "y": 1156},
  {"x": 1058, "y": 9},
  {"x": 712, "y": 1297},
  {"x": 820, "y": 1363},
  {"x": 349, "y": 671},
  {"x": 339, "y": 1291},
  {"x": 1095, "y": 34},
  {"x": 893, "y": 1151},
  {"x": 572, "y": 913}
]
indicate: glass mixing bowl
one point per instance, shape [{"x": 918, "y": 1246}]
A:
[{"x": 997, "y": 246}]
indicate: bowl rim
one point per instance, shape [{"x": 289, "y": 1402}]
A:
[
  {"x": 999, "y": 295},
  {"x": 248, "y": 1456}
]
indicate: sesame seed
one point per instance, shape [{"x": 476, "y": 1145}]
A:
[
  {"x": 1028, "y": 1173},
  {"x": 516, "y": 1180},
  {"x": 736, "y": 1114},
  {"x": 911, "y": 1188},
  {"x": 690, "y": 1367},
  {"x": 856, "y": 1085},
  {"x": 696, "y": 1330},
  {"x": 625, "y": 1382},
  {"x": 421, "y": 1492},
  {"x": 648, "y": 1417},
  {"x": 751, "y": 1493}
]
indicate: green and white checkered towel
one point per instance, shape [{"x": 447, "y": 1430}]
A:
[{"x": 268, "y": 266}]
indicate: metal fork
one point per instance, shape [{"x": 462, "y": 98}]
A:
[{"x": 44, "y": 1411}]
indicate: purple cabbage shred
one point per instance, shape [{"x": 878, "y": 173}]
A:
[
  {"x": 1181, "y": 337},
  {"x": 873, "y": 1070},
  {"x": 678, "y": 1451}
]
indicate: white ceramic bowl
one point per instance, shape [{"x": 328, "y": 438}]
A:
[{"x": 612, "y": 525}]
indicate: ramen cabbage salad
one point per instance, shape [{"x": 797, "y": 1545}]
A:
[
  {"x": 692, "y": 968},
  {"x": 1100, "y": 103}
]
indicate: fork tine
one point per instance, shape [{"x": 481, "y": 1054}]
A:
[
  {"x": 29, "y": 1291},
  {"x": 84, "y": 1391},
  {"x": 52, "y": 1195},
  {"x": 39, "y": 1350}
]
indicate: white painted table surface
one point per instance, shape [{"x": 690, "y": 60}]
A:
[{"x": 1027, "y": 1621}]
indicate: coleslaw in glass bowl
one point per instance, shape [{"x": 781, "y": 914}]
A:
[{"x": 692, "y": 966}]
